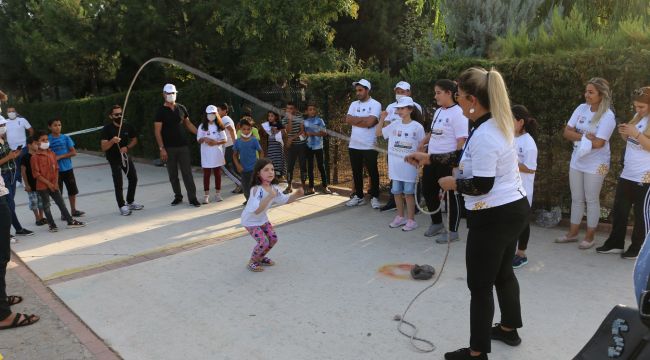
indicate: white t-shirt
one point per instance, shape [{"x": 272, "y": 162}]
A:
[
  {"x": 248, "y": 216},
  {"x": 364, "y": 138},
  {"x": 16, "y": 135},
  {"x": 227, "y": 122},
  {"x": 403, "y": 139},
  {"x": 597, "y": 160},
  {"x": 527, "y": 155},
  {"x": 447, "y": 127},
  {"x": 211, "y": 156},
  {"x": 637, "y": 159},
  {"x": 488, "y": 153},
  {"x": 392, "y": 113}
]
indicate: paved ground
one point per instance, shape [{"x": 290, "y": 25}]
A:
[{"x": 170, "y": 282}]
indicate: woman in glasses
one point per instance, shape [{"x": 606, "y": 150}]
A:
[
  {"x": 589, "y": 128},
  {"x": 633, "y": 187},
  {"x": 497, "y": 209}
]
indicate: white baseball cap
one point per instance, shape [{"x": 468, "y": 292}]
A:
[
  {"x": 169, "y": 88},
  {"x": 211, "y": 109},
  {"x": 404, "y": 102},
  {"x": 363, "y": 82},
  {"x": 403, "y": 85}
]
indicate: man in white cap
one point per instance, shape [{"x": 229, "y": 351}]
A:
[
  {"x": 173, "y": 146},
  {"x": 363, "y": 116},
  {"x": 402, "y": 89},
  {"x": 117, "y": 147}
]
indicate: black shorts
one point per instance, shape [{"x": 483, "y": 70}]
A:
[{"x": 67, "y": 178}]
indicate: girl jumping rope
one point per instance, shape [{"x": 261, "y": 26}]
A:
[{"x": 264, "y": 193}]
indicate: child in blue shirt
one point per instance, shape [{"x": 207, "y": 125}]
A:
[
  {"x": 245, "y": 152},
  {"x": 315, "y": 130},
  {"x": 63, "y": 146}
]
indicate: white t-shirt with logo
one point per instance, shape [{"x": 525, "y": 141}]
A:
[
  {"x": 637, "y": 159},
  {"x": 403, "y": 139},
  {"x": 248, "y": 216},
  {"x": 227, "y": 122},
  {"x": 488, "y": 153},
  {"x": 364, "y": 138},
  {"x": 211, "y": 156},
  {"x": 597, "y": 160},
  {"x": 527, "y": 155},
  {"x": 16, "y": 135},
  {"x": 447, "y": 127},
  {"x": 392, "y": 112}
]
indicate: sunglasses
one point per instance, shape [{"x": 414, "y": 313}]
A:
[{"x": 639, "y": 92}]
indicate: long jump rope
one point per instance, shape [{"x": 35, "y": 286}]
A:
[{"x": 413, "y": 338}]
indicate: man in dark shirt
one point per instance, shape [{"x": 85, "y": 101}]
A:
[
  {"x": 172, "y": 143},
  {"x": 117, "y": 146}
]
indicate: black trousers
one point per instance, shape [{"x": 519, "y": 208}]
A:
[
  {"x": 230, "y": 165},
  {"x": 58, "y": 200},
  {"x": 5, "y": 254},
  {"x": 132, "y": 177},
  {"x": 491, "y": 243},
  {"x": 524, "y": 237},
  {"x": 430, "y": 189},
  {"x": 628, "y": 194},
  {"x": 179, "y": 157},
  {"x": 359, "y": 158},
  {"x": 297, "y": 152},
  {"x": 320, "y": 162}
]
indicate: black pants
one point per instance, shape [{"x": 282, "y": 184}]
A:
[
  {"x": 5, "y": 254},
  {"x": 430, "y": 189},
  {"x": 320, "y": 162},
  {"x": 179, "y": 157},
  {"x": 131, "y": 175},
  {"x": 524, "y": 237},
  {"x": 58, "y": 200},
  {"x": 628, "y": 194},
  {"x": 230, "y": 165},
  {"x": 491, "y": 243},
  {"x": 297, "y": 152},
  {"x": 359, "y": 158},
  {"x": 246, "y": 177}
]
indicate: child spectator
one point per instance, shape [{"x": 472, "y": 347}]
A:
[
  {"x": 63, "y": 146},
  {"x": 275, "y": 146},
  {"x": 231, "y": 134},
  {"x": 212, "y": 137},
  {"x": 315, "y": 130},
  {"x": 35, "y": 202},
  {"x": 245, "y": 152}
]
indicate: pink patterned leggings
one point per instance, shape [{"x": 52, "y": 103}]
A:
[{"x": 266, "y": 239}]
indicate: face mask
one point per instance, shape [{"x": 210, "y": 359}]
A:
[
  {"x": 44, "y": 145},
  {"x": 170, "y": 98},
  {"x": 212, "y": 117},
  {"x": 398, "y": 96},
  {"x": 245, "y": 136},
  {"x": 11, "y": 115},
  {"x": 3, "y": 130}
]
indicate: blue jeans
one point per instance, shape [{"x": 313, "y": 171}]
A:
[
  {"x": 10, "y": 184},
  {"x": 19, "y": 160}
]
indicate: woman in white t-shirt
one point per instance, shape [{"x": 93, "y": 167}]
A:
[
  {"x": 634, "y": 184},
  {"x": 404, "y": 137},
  {"x": 497, "y": 209},
  {"x": 589, "y": 128},
  {"x": 448, "y": 132},
  {"x": 212, "y": 137},
  {"x": 525, "y": 129}
]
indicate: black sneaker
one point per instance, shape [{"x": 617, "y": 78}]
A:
[
  {"x": 76, "y": 224},
  {"x": 176, "y": 201},
  {"x": 509, "y": 337},
  {"x": 390, "y": 205},
  {"x": 77, "y": 213},
  {"x": 630, "y": 254},
  {"x": 464, "y": 354},
  {"x": 606, "y": 249},
  {"x": 24, "y": 232},
  {"x": 195, "y": 203},
  {"x": 41, "y": 222},
  {"x": 53, "y": 228}
]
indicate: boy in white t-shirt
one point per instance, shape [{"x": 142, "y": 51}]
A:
[
  {"x": 18, "y": 129},
  {"x": 231, "y": 134}
]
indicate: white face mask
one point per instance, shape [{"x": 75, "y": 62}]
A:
[
  {"x": 12, "y": 115},
  {"x": 398, "y": 96},
  {"x": 44, "y": 145},
  {"x": 170, "y": 98},
  {"x": 3, "y": 130},
  {"x": 212, "y": 117},
  {"x": 246, "y": 136}
]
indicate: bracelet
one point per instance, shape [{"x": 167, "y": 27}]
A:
[{"x": 161, "y": 148}]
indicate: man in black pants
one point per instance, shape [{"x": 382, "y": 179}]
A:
[
  {"x": 116, "y": 146},
  {"x": 168, "y": 128},
  {"x": 296, "y": 143}
]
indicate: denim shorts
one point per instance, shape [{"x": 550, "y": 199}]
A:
[
  {"x": 402, "y": 187},
  {"x": 35, "y": 201}
]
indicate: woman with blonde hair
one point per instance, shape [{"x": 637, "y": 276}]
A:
[
  {"x": 497, "y": 208},
  {"x": 634, "y": 184},
  {"x": 589, "y": 128}
]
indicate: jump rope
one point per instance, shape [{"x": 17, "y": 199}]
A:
[{"x": 413, "y": 338}]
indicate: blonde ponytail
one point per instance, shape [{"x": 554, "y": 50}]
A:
[
  {"x": 641, "y": 95},
  {"x": 500, "y": 104},
  {"x": 604, "y": 91}
]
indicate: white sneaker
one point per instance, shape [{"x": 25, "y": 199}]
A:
[
  {"x": 374, "y": 202},
  {"x": 206, "y": 199},
  {"x": 135, "y": 206},
  {"x": 12, "y": 239},
  {"x": 217, "y": 197},
  {"x": 125, "y": 211},
  {"x": 355, "y": 201}
]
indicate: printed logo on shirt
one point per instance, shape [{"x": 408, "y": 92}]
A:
[
  {"x": 436, "y": 132},
  {"x": 603, "y": 169}
]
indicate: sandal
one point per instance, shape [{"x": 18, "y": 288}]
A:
[
  {"x": 26, "y": 321},
  {"x": 255, "y": 267},
  {"x": 586, "y": 244},
  {"x": 565, "y": 239},
  {"x": 14, "y": 299},
  {"x": 267, "y": 262}
]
